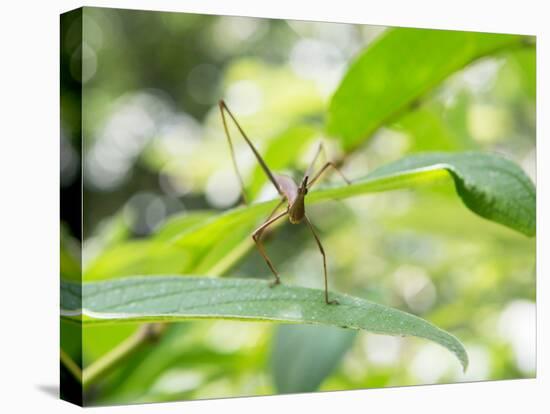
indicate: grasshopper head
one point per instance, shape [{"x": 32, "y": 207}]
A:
[{"x": 303, "y": 186}]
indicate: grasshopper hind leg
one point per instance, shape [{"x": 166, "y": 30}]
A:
[
  {"x": 256, "y": 236},
  {"x": 329, "y": 302}
]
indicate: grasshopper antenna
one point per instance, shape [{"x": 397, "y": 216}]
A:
[
  {"x": 223, "y": 109},
  {"x": 232, "y": 151}
]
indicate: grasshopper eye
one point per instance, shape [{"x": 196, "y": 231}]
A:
[{"x": 305, "y": 192}]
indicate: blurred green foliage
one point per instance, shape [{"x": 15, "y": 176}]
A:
[{"x": 156, "y": 165}]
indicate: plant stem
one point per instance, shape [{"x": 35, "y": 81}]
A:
[
  {"x": 70, "y": 365},
  {"x": 146, "y": 334}
]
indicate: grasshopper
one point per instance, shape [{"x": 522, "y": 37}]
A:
[{"x": 291, "y": 193}]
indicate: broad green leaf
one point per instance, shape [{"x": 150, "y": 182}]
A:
[
  {"x": 489, "y": 185},
  {"x": 220, "y": 242},
  {"x": 303, "y": 356},
  {"x": 147, "y": 256},
  {"x": 138, "y": 257},
  {"x": 176, "y": 298},
  {"x": 398, "y": 69}
]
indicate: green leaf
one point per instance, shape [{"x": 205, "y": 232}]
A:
[
  {"x": 303, "y": 356},
  {"x": 177, "y": 298},
  {"x": 398, "y": 69},
  {"x": 148, "y": 256},
  {"x": 489, "y": 185},
  {"x": 138, "y": 257},
  {"x": 181, "y": 223},
  {"x": 220, "y": 242}
]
